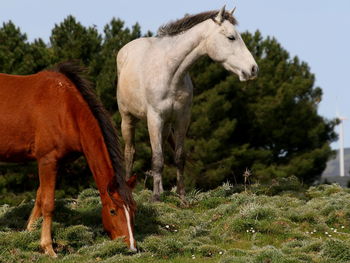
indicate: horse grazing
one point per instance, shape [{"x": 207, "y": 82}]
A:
[
  {"x": 154, "y": 84},
  {"x": 54, "y": 115}
]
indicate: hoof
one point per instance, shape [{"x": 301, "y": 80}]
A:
[
  {"x": 49, "y": 251},
  {"x": 155, "y": 198},
  {"x": 181, "y": 194},
  {"x": 184, "y": 202},
  {"x": 30, "y": 228}
]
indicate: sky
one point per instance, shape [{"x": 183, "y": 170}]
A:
[{"x": 317, "y": 31}]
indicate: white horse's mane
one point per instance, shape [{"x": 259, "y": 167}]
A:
[{"x": 179, "y": 26}]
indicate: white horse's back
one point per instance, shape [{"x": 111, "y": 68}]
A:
[{"x": 130, "y": 65}]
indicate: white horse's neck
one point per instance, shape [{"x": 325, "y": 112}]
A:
[{"x": 185, "y": 49}]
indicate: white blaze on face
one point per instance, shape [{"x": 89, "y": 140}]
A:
[{"x": 131, "y": 236}]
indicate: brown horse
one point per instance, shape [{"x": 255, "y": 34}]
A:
[{"x": 51, "y": 116}]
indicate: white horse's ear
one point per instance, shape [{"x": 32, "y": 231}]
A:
[
  {"x": 220, "y": 17},
  {"x": 232, "y": 11}
]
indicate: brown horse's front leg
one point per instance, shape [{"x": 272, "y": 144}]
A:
[
  {"x": 47, "y": 175},
  {"x": 36, "y": 212}
]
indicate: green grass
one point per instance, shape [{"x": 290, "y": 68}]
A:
[{"x": 218, "y": 226}]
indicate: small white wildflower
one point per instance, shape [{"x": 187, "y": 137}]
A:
[
  {"x": 335, "y": 231},
  {"x": 175, "y": 230},
  {"x": 167, "y": 226},
  {"x": 307, "y": 233},
  {"x": 253, "y": 231},
  {"x": 247, "y": 231},
  {"x": 343, "y": 227},
  {"x": 315, "y": 231},
  {"x": 251, "y": 228},
  {"x": 220, "y": 252},
  {"x": 332, "y": 228},
  {"x": 330, "y": 235},
  {"x": 326, "y": 233}
]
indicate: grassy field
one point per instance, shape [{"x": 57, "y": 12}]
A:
[{"x": 267, "y": 226}]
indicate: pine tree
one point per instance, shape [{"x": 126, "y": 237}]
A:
[
  {"x": 115, "y": 37},
  {"x": 70, "y": 40},
  {"x": 17, "y": 56}
]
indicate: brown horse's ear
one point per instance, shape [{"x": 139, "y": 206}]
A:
[{"x": 132, "y": 181}]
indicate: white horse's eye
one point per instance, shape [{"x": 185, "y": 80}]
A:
[{"x": 232, "y": 38}]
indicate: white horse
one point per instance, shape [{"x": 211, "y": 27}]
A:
[{"x": 154, "y": 84}]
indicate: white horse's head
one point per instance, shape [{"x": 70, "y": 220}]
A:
[{"x": 225, "y": 45}]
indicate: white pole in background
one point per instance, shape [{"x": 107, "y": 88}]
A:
[{"x": 341, "y": 146}]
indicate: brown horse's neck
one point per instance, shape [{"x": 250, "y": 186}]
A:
[
  {"x": 95, "y": 151},
  {"x": 98, "y": 138}
]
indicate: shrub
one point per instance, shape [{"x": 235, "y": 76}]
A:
[
  {"x": 210, "y": 250},
  {"x": 323, "y": 190},
  {"x": 272, "y": 255},
  {"x": 105, "y": 249},
  {"x": 88, "y": 198},
  {"x": 257, "y": 211},
  {"x": 18, "y": 240},
  {"x": 231, "y": 259},
  {"x": 166, "y": 247},
  {"x": 212, "y": 202},
  {"x": 336, "y": 249},
  {"x": 77, "y": 236},
  {"x": 303, "y": 214},
  {"x": 278, "y": 186}
]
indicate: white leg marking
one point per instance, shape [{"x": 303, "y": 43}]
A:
[{"x": 131, "y": 236}]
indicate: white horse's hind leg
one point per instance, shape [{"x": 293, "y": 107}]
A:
[
  {"x": 165, "y": 135},
  {"x": 128, "y": 133},
  {"x": 180, "y": 130},
  {"x": 155, "y": 129}
]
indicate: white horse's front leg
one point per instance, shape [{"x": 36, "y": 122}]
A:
[{"x": 155, "y": 129}]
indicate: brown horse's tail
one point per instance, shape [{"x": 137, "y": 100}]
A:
[{"x": 76, "y": 73}]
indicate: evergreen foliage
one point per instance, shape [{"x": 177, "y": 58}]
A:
[
  {"x": 17, "y": 56},
  {"x": 70, "y": 40}
]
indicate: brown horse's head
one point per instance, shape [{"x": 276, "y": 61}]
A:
[{"x": 118, "y": 214}]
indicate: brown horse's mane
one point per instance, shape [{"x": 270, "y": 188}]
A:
[
  {"x": 75, "y": 73},
  {"x": 181, "y": 25}
]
